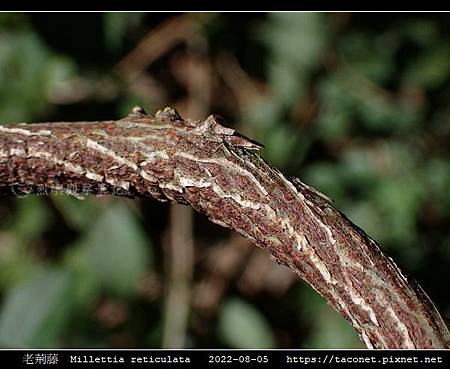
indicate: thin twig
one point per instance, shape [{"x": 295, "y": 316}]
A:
[
  {"x": 180, "y": 261},
  {"x": 157, "y": 42}
]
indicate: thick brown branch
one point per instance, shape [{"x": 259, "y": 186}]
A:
[{"x": 218, "y": 173}]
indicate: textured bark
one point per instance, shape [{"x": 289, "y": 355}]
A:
[{"x": 219, "y": 173}]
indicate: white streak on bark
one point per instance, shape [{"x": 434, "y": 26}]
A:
[
  {"x": 21, "y": 131},
  {"x": 94, "y": 176},
  {"x": 407, "y": 342},
  {"x": 236, "y": 197},
  {"x": 112, "y": 154},
  {"x": 226, "y": 164},
  {"x": 17, "y": 152},
  {"x": 147, "y": 176}
]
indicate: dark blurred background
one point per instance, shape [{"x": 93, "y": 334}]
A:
[{"x": 357, "y": 105}]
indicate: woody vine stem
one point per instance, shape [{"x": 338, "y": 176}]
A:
[{"x": 219, "y": 173}]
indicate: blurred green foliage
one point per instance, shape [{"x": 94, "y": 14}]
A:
[
  {"x": 242, "y": 326},
  {"x": 356, "y": 105}
]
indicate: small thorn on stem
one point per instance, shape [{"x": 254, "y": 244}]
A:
[
  {"x": 169, "y": 113},
  {"x": 216, "y": 124},
  {"x": 138, "y": 110}
]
